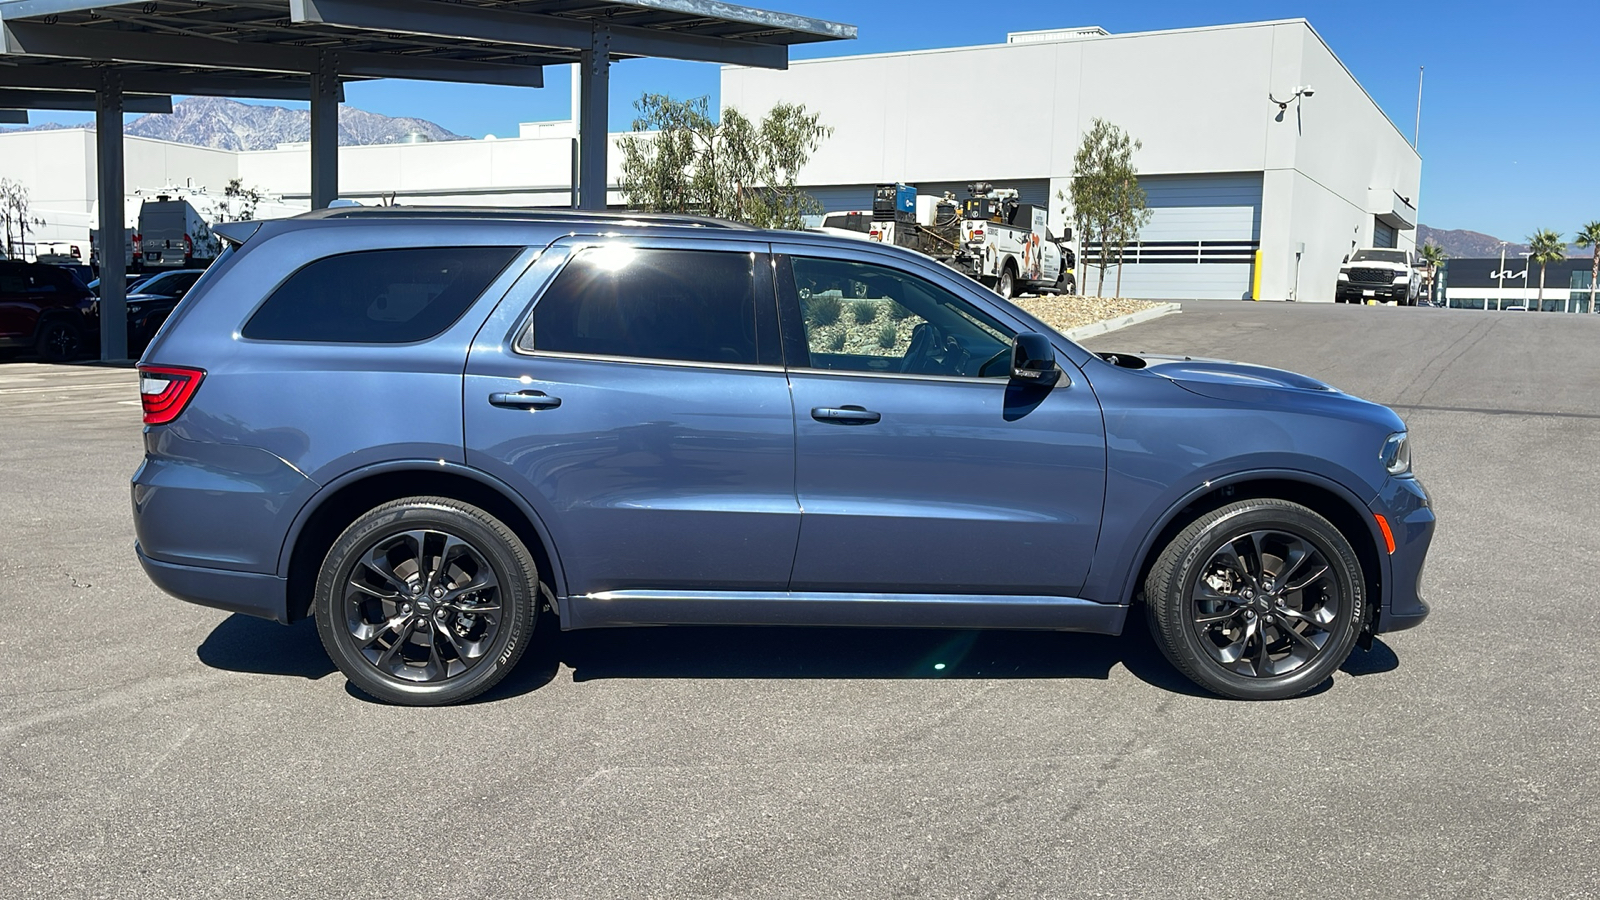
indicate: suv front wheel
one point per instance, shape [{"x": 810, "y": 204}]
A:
[
  {"x": 426, "y": 601},
  {"x": 1257, "y": 600}
]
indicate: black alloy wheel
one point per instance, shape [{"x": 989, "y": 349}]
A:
[
  {"x": 426, "y": 601},
  {"x": 59, "y": 341},
  {"x": 1261, "y": 599}
]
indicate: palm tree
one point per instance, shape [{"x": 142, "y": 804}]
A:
[
  {"x": 1433, "y": 256},
  {"x": 1589, "y": 236},
  {"x": 1547, "y": 247}
]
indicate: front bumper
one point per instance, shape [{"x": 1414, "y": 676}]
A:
[
  {"x": 264, "y": 596},
  {"x": 1404, "y": 503},
  {"x": 1356, "y": 292}
]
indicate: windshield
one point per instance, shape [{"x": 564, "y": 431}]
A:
[{"x": 1388, "y": 256}]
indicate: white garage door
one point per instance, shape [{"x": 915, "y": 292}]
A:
[{"x": 1200, "y": 243}]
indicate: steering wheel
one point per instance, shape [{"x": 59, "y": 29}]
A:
[
  {"x": 922, "y": 356},
  {"x": 1004, "y": 356}
]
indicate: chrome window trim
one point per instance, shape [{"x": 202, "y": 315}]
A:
[
  {"x": 1066, "y": 380},
  {"x": 642, "y": 360}
]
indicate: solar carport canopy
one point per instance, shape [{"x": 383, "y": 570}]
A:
[{"x": 307, "y": 49}]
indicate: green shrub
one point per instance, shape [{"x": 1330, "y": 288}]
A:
[
  {"x": 836, "y": 343},
  {"x": 824, "y": 309},
  {"x": 898, "y": 312},
  {"x": 888, "y": 337},
  {"x": 865, "y": 311}
]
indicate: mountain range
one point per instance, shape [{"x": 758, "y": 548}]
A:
[
  {"x": 231, "y": 125},
  {"x": 1462, "y": 244}
]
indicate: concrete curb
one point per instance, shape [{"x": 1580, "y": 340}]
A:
[{"x": 1104, "y": 326}]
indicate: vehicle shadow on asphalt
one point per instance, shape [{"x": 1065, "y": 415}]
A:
[{"x": 245, "y": 644}]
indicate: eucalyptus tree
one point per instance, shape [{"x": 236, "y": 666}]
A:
[
  {"x": 1107, "y": 202},
  {"x": 679, "y": 159}
]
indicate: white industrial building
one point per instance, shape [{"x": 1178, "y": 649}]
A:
[{"x": 1249, "y": 199}]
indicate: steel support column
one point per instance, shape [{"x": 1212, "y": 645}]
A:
[
  {"x": 325, "y": 132},
  {"x": 113, "y": 231},
  {"x": 594, "y": 96}
]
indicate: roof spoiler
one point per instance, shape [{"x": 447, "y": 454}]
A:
[{"x": 236, "y": 233}]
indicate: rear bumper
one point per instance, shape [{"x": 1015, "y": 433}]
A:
[
  {"x": 1410, "y": 514},
  {"x": 264, "y": 596}
]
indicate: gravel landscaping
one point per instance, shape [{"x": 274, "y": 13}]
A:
[{"x": 1064, "y": 313}]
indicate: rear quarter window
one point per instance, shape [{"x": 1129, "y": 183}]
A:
[{"x": 378, "y": 296}]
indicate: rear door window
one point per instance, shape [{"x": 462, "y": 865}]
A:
[
  {"x": 650, "y": 303},
  {"x": 378, "y": 296}
]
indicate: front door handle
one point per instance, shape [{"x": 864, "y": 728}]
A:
[
  {"x": 524, "y": 400},
  {"x": 845, "y": 415}
]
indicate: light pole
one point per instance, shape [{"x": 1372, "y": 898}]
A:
[
  {"x": 1526, "y": 257},
  {"x": 1501, "y": 275}
]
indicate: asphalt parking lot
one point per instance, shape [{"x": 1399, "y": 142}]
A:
[{"x": 154, "y": 748}]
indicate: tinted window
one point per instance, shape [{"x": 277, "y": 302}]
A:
[
  {"x": 1389, "y": 256},
  {"x": 691, "y": 305},
  {"x": 866, "y": 318},
  {"x": 378, "y": 296}
]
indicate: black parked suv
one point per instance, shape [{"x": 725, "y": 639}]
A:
[{"x": 47, "y": 309}]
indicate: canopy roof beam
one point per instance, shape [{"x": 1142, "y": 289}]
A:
[
  {"x": 460, "y": 21},
  {"x": 60, "y": 76},
  {"x": 79, "y": 100},
  {"x": 79, "y": 42}
]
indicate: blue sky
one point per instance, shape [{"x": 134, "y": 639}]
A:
[{"x": 1511, "y": 111}]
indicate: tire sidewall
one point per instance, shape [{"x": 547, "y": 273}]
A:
[
  {"x": 516, "y": 578},
  {"x": 46, "y": 345},
  {"x": 1008, "y": 283},
  {"x": 1344, "y": 566}
]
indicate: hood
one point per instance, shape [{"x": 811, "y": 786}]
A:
[
  {"x": 1207, "y": 376},
  {"x": 148, "y": 298}
]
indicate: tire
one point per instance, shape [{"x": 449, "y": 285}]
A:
[
  {"x": 1007, "y": 287},
  {"x": 1206, "y": 606},
  {"x": 59, "y": 341},
  {"x": 373, "y": 601}
]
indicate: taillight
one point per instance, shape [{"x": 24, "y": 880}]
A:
[
  {"x": 977, "y": 232},
  {"x": 76, "y": 253},
  {"x": 166, "y": 390},
  {"x": 138, "y": 246},
  {"x": 188, "y": 244}
]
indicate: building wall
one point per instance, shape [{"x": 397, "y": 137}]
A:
[
  {"x": 1195, "y": 98},
  {"x": 514, "y": 171}
]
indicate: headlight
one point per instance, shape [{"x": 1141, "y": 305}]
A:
[
  {"x": 1344, "y": 276},
  {"x": 1396, "y": 454},
  {"x": 1402, "y": 278}
]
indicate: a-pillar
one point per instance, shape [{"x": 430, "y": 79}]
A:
[
  {"x": 594, "y": 139},
  {"x": 113, "y": 231},
  {"x": 325, "y": 131}
]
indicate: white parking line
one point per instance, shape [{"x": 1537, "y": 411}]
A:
[{"x": 70, "y": 387}]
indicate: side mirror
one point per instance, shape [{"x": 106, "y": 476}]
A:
[
  {"x": 1033, "y": 360},
  {"x": 1345, "y": 260}
]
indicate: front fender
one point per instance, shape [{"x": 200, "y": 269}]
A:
[{"x": 1115, "y": 571}]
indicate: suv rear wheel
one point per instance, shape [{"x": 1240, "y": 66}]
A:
[
  {"x": 59, "y": 341},
  {"x": 1258, "y": 600},
  {"x": 426, "y": 601}
]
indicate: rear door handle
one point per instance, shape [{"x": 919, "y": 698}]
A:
[
  {"x": 845, "y": 415},
  {"x": 524, "y": 400}
]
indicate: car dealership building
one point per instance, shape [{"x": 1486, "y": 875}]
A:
[{"x": 1264, "y": 161}]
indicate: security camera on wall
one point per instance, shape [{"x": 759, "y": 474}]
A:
[{"x": 1307, "y": 91}]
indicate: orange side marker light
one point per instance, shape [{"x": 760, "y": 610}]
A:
[{"x": 1383, "y": 526}]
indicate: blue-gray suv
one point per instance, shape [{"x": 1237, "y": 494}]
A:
[{"x": 422, "y": 426}]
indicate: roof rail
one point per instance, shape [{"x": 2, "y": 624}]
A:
[{"x": 521, "y": 214}]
